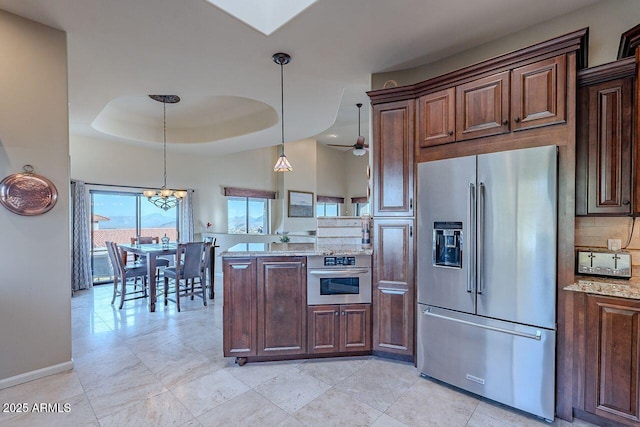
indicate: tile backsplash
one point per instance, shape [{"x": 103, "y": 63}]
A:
[
  {"x": 339, "y": 231},
  {"x": 593, "y": 232}
]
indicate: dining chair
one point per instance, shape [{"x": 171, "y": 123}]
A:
[
  {"x": 122, "y": 272},
  {"x": 187, "y": 275},
  {"x": 210, "y": 257}
]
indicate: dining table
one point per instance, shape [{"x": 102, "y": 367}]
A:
[{"x": 150, "y": 251}]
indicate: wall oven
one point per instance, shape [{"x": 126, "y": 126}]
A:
[{"x": 338, "y": 279}]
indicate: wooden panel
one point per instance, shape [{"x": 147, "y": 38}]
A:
[
  {"x": 393, "y": 146},
  {"x": 612, "y": 360},
  {"x": 239, "y": 309},
  {"x": 609, "y": 170},
  {"x": 482, "y": 107},
  {"x": 324, "y": 326},
  {"x": 538, "y": 94},
  {"x": 393, "y": 288},
  {"x": 355, "y": 329},
  {"x": 436, "y": 118},
  {"x": 282, "y": 305}
]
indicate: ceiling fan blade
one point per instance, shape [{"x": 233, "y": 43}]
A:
[{"x": 338, "y": 145}]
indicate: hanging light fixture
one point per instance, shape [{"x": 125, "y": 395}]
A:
[
  {"x": 359, "y": 146},
  {"x": 165, "y": 198},
  {"x": 282, "y": 165}
]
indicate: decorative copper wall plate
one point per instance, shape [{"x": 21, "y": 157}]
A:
[{"x": 28, "y": 193}]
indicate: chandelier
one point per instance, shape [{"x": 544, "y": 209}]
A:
[
  {"x": 282, "y": 165},
  {"x": 165, "y": 198}
]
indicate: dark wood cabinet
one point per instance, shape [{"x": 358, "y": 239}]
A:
[
  {"x": 482, "y": 107},
  {"x": 538, "y": 94},
  {"x": 265, "y": 303},
  {"x": 604, "y": 143},
  {"x": 282, "y": 303},
  {"x": 240, "y": 307},
  {"x": 339, "y": 328},
  {"x": 437, "y": 118},
  {"x": 393, "y": 286},
  {"x": 613, "y": 358},
  {"x": 393, "y": 144}
]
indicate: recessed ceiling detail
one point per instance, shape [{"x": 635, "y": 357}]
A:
[
  {"x": 193, "y": 120},
  {"x": 265, "y": 16}
]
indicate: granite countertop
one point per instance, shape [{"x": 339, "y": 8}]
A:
[
  {"x": 606, "y": 286},
  {"x": 292, "y": 249}
]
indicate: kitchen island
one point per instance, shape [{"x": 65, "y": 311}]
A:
[{"x": 266, "y": 314}]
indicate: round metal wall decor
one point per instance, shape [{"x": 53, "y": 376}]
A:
[{"x": 28, "y": 193}]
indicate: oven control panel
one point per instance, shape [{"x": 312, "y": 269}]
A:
[{"x": 331, "y": 261}]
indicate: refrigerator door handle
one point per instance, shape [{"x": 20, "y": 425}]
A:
[
  {"x": 480, "y": 241},
  {"x": 471, "y": 272},
  {"x": 537, "y": 336}
]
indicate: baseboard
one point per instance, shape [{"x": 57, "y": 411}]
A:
[{"x": 37, "y": 374}]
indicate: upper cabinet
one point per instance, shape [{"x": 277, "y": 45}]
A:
[
  {"x": 393, "y": 144},
  {"x": 437, "y": 118},
  {"x": 538, "y": 93},
  {"x": 482, "y": 107},
  {"x": 604, "y": 143}
]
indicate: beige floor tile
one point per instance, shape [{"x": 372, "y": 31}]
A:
[
  {"x": 247, "y": 409},
  {"x": 335, "y": 408},
  {"x": 334, "y": 370},
  {"x": 209, "y": 391},
  {"x": 507, "y": 416},
  {"x": 77, "y": 413},
  {"x": 292, "y": 390},
  {"x": 51, "y": 389},
  {"x": 254, "y": 374},
  {"x": 386, "y": 421},
  {"x": 161, "y": 410}
]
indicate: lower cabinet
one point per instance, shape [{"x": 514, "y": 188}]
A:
[
  {"x": 393, "y": 287},
  {"x": 265, "y": 301},
  {"x": 339, "y": 328},
  {"x": 613, "y": 358}
]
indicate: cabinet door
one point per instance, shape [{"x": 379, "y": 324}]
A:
[
  {"x": 538, "y": 94},
  {"x": 282, "y": 305},
  {"x": 393, "y": 287},
  {"x": 609, "y": 153},
  {"x": 482, "y": 107},
  {"x": 436, "y": 118},
  {"x": 613, "y": 358},
  {"x": 239, "y": 309},
  {"x": 324, "y": 326},
  {"x": 355, "y": 329},
  {"x": 393, "y": 145}
]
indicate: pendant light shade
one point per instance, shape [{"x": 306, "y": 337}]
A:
[
  {"x": 282, "y": 165},
  {"x": 165, "y": 198}
]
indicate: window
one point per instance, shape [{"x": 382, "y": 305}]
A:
[
  {"x": 248, "y": 210},
  {"x": 327, "y": 209},
  {"x": 362, "y": 209},
  {"x": 328, "y": 205},
  {"x": 247, "y": 215},
  {"x": 117, "y": 216}
]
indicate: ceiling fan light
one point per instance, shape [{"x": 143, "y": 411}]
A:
[
  {"x": 359, "y": 151},
  {"x": 282, "y": 165}
]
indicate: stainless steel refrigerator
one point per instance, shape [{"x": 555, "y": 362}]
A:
[{"x": 486, "y": 248}]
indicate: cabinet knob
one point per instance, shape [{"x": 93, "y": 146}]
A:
[
  {"x": 517, "y": 119},
  {"x": 343, "y": 313},
  {"x": 450, "y": 132},
  {"x": 625, "y": 202},
  {"x": 336, "y": 313},
  {"x": 505, "y": 122}
]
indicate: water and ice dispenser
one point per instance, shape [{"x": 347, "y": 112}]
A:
[{"x": 447, "y": 244}]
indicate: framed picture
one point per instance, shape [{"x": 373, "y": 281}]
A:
[{"x": 300, "y": 204}]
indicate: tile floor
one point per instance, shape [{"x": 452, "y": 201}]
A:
[{"x": 135, "y": 368}]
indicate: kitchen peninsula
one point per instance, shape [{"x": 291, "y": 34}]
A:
[{"x": 273, "y": 311}]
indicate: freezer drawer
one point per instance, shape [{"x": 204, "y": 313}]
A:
[{"x": 509, "y": 363}]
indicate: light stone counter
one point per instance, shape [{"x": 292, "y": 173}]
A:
[
  {"x": 608, "y": 287},
  {"x": 292, "y": 249}
]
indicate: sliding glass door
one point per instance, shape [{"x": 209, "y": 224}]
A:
[{"x": 119, "y": 217}]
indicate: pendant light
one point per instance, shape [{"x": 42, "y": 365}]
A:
[
  {"x": 359, "y": 147},
  {"x": 165, "y": 198},
  {"x": 282, "y": 165}
]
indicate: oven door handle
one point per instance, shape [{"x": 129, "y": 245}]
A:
[{"x": 347, "y": 272}]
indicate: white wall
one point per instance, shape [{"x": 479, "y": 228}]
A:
[
  {"x": 606, "y": 20},
  {"x": 35, "y": 289}
]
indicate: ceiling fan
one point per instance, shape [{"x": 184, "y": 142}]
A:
[{"x": 359, "y": 148}]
